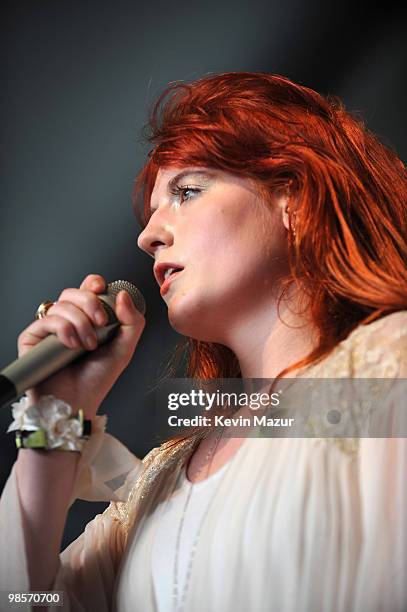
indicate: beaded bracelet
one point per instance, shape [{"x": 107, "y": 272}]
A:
[{"x": 49, "y": 425}]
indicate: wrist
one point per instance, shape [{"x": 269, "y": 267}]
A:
[{"x": 49, "y": 424}]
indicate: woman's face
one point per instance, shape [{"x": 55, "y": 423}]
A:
[{"x": 231, "y": 245}]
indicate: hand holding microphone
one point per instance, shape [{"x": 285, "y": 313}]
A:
[{"x": 79, "y": 321}]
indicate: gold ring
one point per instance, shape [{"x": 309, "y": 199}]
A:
[{"x": 42, "y": 309}]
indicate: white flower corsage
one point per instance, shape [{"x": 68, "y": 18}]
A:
[{"x": 53, "y": 418}]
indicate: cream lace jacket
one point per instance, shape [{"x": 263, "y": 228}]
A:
[{"x": 298, "y": 525}]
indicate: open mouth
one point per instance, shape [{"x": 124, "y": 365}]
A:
[
  {"x": 169, "y": 273},
  {"x": 169, "y": 278},
  {"x": 164, "y": 272}
]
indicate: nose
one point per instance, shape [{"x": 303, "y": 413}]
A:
[{"x": 155, "y": 236}]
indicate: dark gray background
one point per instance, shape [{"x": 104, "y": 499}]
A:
[{"x": 77, "y": 82}]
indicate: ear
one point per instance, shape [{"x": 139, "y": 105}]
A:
[{"x": 283, "y": 203}]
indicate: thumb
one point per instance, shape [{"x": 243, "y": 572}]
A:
[{"x": 132, "y": 325}]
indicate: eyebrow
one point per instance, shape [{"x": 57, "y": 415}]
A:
[{"x": 172, "y": 183}]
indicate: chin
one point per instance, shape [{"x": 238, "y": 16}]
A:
[{"x": 189, "y": 317}]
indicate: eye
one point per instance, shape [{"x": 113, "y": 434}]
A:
[{"x": 180, "y": 190}]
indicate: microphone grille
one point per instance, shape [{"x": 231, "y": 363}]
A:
[{"x": 138, "y": 300}]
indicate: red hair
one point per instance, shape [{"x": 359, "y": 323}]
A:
[{"x": 348, "y": 190}]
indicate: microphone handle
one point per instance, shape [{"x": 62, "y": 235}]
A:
[{"x": 42, "y": 361}]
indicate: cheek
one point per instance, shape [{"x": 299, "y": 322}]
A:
[{"x": 235, "y": 245}]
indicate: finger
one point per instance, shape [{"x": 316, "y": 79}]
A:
[
  {"x": 82, "y": 322},
  {"x": 132, "y": 325},
  {"x": 86, "y": 301},
  {"x": 40, "y": 329},
  {"x": 126, "y": 311},
  {"x": 94, "y": 282}
]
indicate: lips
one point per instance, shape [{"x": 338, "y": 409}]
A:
[
  {"x": 166, "y": 283},
  {"x": 161, "y": 268}
]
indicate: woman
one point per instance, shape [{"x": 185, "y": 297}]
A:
[{"x": 288, "y": 220}]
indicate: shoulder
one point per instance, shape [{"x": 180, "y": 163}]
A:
[
  {"x": 379, "y": 349},
  {"x": 391, "y": 326},
  {"x": 375, "y": 350}
]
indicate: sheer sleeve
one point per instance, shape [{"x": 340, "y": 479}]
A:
[
  {"x": 107, "y": 471},
  {"x": 105, "y": 466},
  {"x": 88, "y": 566},
  {"x": 381, "y": 582}
]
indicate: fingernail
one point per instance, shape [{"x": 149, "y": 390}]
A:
[
  {"x": 73, "y": 341},
  {"x": 99, "y": 317},
  {"x": 90, "y": 342}
]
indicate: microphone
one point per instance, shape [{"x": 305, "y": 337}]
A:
[{"x": 51, "y": 355}]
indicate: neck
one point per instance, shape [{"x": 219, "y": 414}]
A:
[{"x": 264, "y": 345}]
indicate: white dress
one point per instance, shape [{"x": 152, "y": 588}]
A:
[
  {"x": 197, "y": 498},
  {"x": 296, "y": 525}
]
